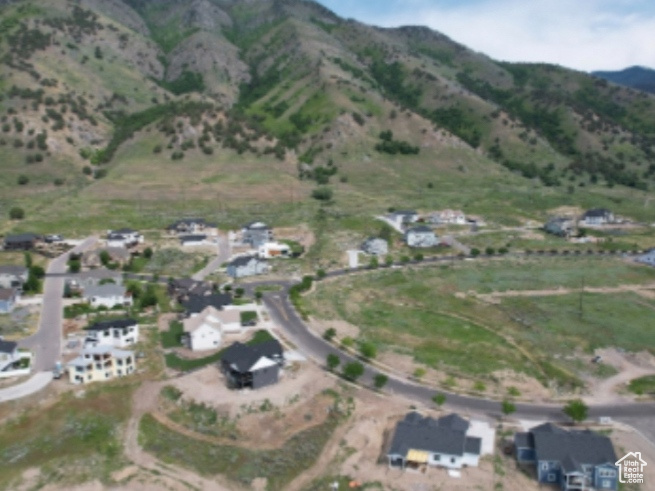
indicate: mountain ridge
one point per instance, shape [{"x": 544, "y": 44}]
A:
[{"x": 290, "y": 81}]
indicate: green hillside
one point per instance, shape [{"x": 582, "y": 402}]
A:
[{"x": 141, "y": 110}]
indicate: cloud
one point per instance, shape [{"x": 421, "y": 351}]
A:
[{"x": 581, "y": 34}]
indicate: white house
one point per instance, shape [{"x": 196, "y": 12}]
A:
[
  {"x": 420, "y": 441},
  {"x": 451, "y": 217},
  {"x": 124, "y": 237},
  {"x": 246, "y": 266},
  {"x": 597, "y": 216},
  {"x": 8, "y": 354},
  {"x": 100, "y": 363},
  {"x": 108, "y": 295},
  {"x": 119, "y": 333},
  {"x": 270, "y": 250},
  {"x": 12, "y": 276},
  {"x": 375, "y": 246},
  {"x": 205, "y": 331},
  {"x": 421, "y": 237}
]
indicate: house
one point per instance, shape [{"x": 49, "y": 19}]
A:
[
  {"x": 421, "y": 237},
  {"x": 246, "y": 266},
  {"x": 124, "y": 237},
  {"x": 95, "y": 277},
  {"x": 573, "y": 460},
  {"x": 270, "y": 250},
  {"x": 205, "y": 330},
  {"x": 22, "y": 242},
  {"x": 188, "y": 226},
  {"x": 118, "y": 255},
  {"x": 13, "y": 276},
  {"x": 375, "y": 246},
  {"x": 256, "y": 234},
  {"x": 560, "y": 226},
  {"x": 448, "y": 217},
  {"x": 195, "y": 304},
  {"x": 9, "y": 355},
  {"x": 108, "y": 295},
  {"x": 8, "y": 298},
  {"x": 119, "y": 333},
  {"x": 193, "y": 240},
  {"x": 252, "y": 366},
  {"x": 420, "y": 441},
  {"x": 403, "y": 217},
  {"x": 647, "y": 258},
  {"x": 597, "y": 216},
  {"x": 100, "y": 363}
]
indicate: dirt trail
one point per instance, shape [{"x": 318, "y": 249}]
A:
[
  {"x": 495, "y": 296},
  {"x": 145, "y": 401}
]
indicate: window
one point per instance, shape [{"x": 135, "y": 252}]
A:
[
  {"x": 452, "y": 460},
  {"x": 606, "y": 473},
  {"x": 606, "y": 483},
  {"x": 551, "y": 477},
  {"x": 544, "y": 466}
]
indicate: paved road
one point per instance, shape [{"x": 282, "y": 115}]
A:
[
  {"x": 222, "y": 256},
  {"x": 46, "y": 343},
  {"x": 34, "y": 384}
]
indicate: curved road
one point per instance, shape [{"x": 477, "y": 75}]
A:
[
  {"x": 317, "y": 348},
  {"x": 46, "y": 342}
]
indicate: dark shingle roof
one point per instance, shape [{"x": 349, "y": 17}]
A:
[
  {"x": 597, "y": 212},
  {"x": 271, "y": 348},
  {"x": 101, "y": 326},
  {"x": 20, "y": 238},
  {"x": 240, "y": 357},
  {"x": 192, "y": 238},
  {"x": 421, "y": 229},
  {"x": 445, "y": 435},
  {"x": 242, "y": 261},
  {"x": 7, "y": 346},
  {"x": 572, "y": 448},
  {"x": 195, "y": 304},
  {"x": 523, "y": 440}
]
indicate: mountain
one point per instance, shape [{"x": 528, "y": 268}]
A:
[
  {"x": 112, "y": 108},
  {"x": 637, "y": 77}
]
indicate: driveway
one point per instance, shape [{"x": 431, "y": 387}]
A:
[
  {"x": 34, "y": 384},
  {"x": 223, "y": 253}
]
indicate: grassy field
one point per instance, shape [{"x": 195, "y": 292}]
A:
[
  {"x": 417, "y": 312},
  {"x": 643, "y": 385},
  {"x": 239, "y": 464},
  {"x": 77, "y": 441}
]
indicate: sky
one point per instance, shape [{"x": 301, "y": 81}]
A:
[{"x": 585, "y": 35}]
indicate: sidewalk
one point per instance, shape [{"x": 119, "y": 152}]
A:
[{"x": 37, "y": 382}]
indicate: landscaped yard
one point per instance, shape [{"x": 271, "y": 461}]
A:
[
  {"x": 643, "y": 385},
  {"x": 430, "y": 314}
]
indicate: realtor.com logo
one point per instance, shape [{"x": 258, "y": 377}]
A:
[{"x": 631, "y": 468}]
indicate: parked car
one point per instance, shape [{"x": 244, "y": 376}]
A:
[{"x": 53, "y": 238}]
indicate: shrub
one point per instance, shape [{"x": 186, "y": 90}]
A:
[
  {"x": 329, "y": 334},
  {"x": 368, "y": 350},
  {"x": 322, "y": 194},
  {"x": 16, "y": 213},
  {"x": 380, "y": 380},
  {"x": 22, "y": 180},
  {"x": 353, "y": 370}
]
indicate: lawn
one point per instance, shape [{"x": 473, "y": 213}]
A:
[
  {"x": 173, "y": 337},
  {"x": 426, "y": 313}
]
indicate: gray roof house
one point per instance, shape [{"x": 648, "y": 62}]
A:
[
  {"x": 647, "y": 258},
  {"x": 8, "y": 354},
  {"x": 256, "y": 234},
  {"x": 194, "y": 304},
  {"x": 572, "y": 460},
  {"x": 96, "y": 276},
  {"x": 12, "y": 276},
  {"x": 22, "y": 242},
  {"x": 597, "y": 216},
  {"x": 246, "y": 266},
  {"x": 420, "y": 441},
  {"x": 8, "y": 298},
  {"x": 252, "y": 366},
  {"x": 421, "y": 236},
  {"x": 560, "y": 226},
  {"x": 375, "y": 246},
  {"x": 189, "y": 226}
]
